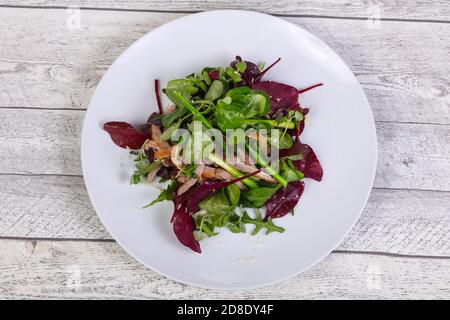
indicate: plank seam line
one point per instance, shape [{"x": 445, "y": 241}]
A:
[
  {"x": 54, "y": 239},
  {"x": 411, "y": 122},
  {"x": 85, "y": 109},
  {"x": 44, "y": 108},
  {"x": 81, "y": 176},
  {"x": 284, "y": 15},
  {"x": 393, "y": 255},
  {"x": 41, "y": 175},
  {"x": 376, "y": 253},
  {"x": 409, "y": 189}
]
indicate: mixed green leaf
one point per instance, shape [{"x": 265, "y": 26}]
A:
[{"x": 224, "y": 98}]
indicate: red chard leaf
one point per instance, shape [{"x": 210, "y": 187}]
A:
[
  {"x": 251, "y": 70},
  {"x": 301, "y": 125},
  {"x": 206, "y": 188},
  {"x": 284, "y": 200},
  {"x": 184, "y": 225},
  {"x": 309, "y": 165},
  {"x": 262, "y": 73},
  {"x": 187, "y": 204},
  {"x": 214, "y": 75},
  {"x": 283, "y": 97},
  {"x": 125, "y": 135}
]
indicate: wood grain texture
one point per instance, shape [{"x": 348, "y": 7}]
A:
[
  {"x": 411, "y": 156},
  {"x": 67, "y": 269},
  {"x": 47, "y": 207},
  {"x": 402, "y": 66},
  {"x": 394, "y": 221},
  {"x": 399, "y": 9},
  {"x": 62, "y": 71}
]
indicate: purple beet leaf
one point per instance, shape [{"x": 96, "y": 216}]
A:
[
  {"x": 309, "y": 165},
  {"x": 206, "y": 188},
  {"x": 283, "y": 97},
  {"x": 184, "y": 225},
  {"x": 125, "y": 135},
  {"x": 215, "y": 75},
  {"x": 284, "y": 200},
  {"x": 187, "y": 204},
  {"x": 250, "y": 73}
]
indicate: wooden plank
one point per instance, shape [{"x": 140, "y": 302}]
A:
[
  {"x": 400, "y": 9},
  {"x": 62, "y": 71},
  {"x": 47, "y": 207},
  {"x": 412, "y": 156},
  {"x": 407, "y": 222},
  {"x": 68, "y": 269},
  {"x": 394, "y": 221}
]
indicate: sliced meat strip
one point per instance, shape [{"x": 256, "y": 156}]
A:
[
  {"x": 199, "y": 169},
  {"x": 156, "y": 136},
  {"x": 223, "y": 175},
  {"x": 152, "y": 174},
  {"x": 249, "y": 169},
  {"x": 186, "y": 186},
  {"x": 209, "y": 173}
]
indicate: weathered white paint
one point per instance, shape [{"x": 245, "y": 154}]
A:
[
  {"x": 72, "y": 269},
  {"x": 403, "y": 67},
  {"x": 394, "y": 221},
  {"x": 399, "y": 9},
  {"x": 62, "y": 71},
  {"x": 413, "y": 156}
]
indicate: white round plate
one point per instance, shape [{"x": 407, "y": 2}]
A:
[{"x": 340, "y": 129}]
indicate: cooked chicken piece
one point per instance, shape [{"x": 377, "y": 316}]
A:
[
  {"x": 209, "y": 173},
  {"x": 182, "y": 179},
  {"x": 156, "y": 137},
  {"x": 186, "y": 186},
  {"x": 199, "y": 169},
  {"x": 147, "y": 144},
  {"x": 250, "y": 169},
  {"x": 151, "y": 144},
  {"x": 164, "y": 153},
  {"x": 153, "y": 173},
  {"x": 223, "y": 175},
  {"x": 177, "y": 160}
]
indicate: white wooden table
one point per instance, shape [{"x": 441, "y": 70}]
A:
[{"x": 52, "y": 245}]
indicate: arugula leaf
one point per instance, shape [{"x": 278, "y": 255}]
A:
[
  {"x": 143, "y": 167},
  {"x": 261, "y": 66},
  {"x": 233, "y": 193},
  {"x": 216, "y": 204},
  {"x": 239, "y": 105},
  {"x": 289, "y": 171},
  {"x": 167, "y": 134},
  {"x": 189, "y": 170},
  {"x": 215, "y": 91},
  {"x": 284, "y": 140},
  {"x": 240, "y": 66},
  {"x": 206, "y": 77},
  {"x": 204, "y": 226},
  {"x": 165, "y": 194},
  {"x": 256, "y": 198},
  {"x": 184, "y": 86},
  {"x": 256, "y": 103},
  {"x": 168, "y": 118},
  {"x": 294, "y": 157},
  {"x": 199, "y": 235},
  {"x": 259, "y": 223},
  {"x": 135, "y": 179},
  {"x": 235, "y": 224}
]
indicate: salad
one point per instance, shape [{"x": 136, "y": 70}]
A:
[{"x": 229, "y": 142}]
